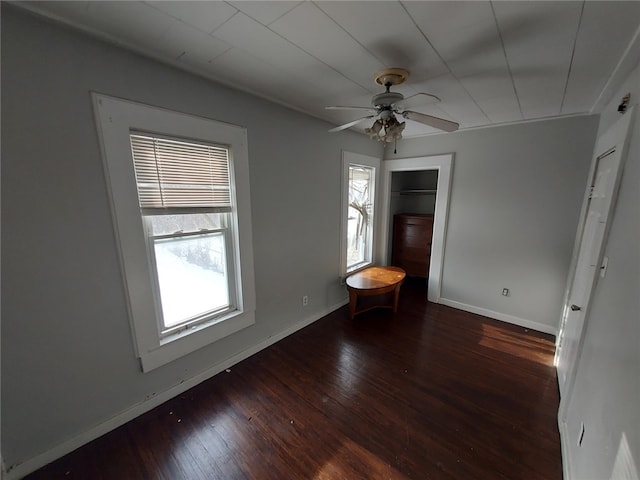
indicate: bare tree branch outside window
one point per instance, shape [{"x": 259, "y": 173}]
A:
[{"x": 359, "y": 215}]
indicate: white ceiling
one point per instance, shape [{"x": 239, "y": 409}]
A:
[{"x": 489, "y": 62}]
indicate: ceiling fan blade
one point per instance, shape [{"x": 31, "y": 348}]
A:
[
  {"x": 350, "y": 124},
  {"x": 340, "y": 107},
  {"x": 435, "y": 122},
  {"x": 417, "y": 100}
]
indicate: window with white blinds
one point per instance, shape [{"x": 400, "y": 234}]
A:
[
  {"x": 177, "y": 174},
  {"x": 179, "y": 189}
]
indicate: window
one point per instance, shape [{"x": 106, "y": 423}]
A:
[
  {"x": 185, "y": 202},
  {"x": 180, "y": 195},
  {"x": 360, "y": 215},
  {"x": 358, "y": 211}
]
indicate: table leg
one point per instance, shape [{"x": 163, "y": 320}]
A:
[
  {"x": 353, "y": 300},
  {"x": 396, "y": 296}
]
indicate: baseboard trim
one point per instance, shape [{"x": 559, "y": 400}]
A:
[
  {"x": 20, "y": 470},
  {"x": 503, "y": 317},
  {"x": 565, "y": 451}
]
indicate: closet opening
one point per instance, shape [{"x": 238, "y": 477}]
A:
[
  {"x": 418, "y": 186},
  {"x": 411, "y": 210}
]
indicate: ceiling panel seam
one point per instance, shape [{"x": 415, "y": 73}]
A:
[
  {"x": 212, "y": 32},
  {"x": 573, "y": 51},
  {"x": 506, "y": 59},
  {"x": 424, "y": 35},
  {"x": 294, "y": 5},
  {"x": 219, "y": 39},
  {"x": 353, "y": 38},
  {"x": 191, "y": 25},
  {"x": 303, "y": 50}
]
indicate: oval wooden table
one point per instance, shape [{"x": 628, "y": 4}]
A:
[{"x": 374, "y": 281}]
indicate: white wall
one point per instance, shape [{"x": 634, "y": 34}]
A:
[
  {"x": 68, "y": 361},
  {"x": 606, "y": 393},
  {"x": 515, "y": 200},
  {"x": 67, "y": 355}
]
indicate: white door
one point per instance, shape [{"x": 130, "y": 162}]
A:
[
  {"x": 610, "y": 149},
  {"x": 586, "y": 266}
]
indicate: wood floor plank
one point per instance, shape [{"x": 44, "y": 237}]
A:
[{"x": 432, "y": 393}]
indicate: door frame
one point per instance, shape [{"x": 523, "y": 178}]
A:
[
  {"x": 444, "y": 165},
  {"x": 616, "y": 137}
]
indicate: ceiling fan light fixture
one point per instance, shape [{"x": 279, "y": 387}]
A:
[
  {"x": 374, "y": 130},
  {"x": 386, "y": 130},
  {"x": 394, "y": 131}
]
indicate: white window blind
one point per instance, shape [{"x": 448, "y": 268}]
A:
[{"x": 177, "y": 174}]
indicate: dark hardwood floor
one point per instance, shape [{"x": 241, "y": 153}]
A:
[{"x": 434, "y": 393}]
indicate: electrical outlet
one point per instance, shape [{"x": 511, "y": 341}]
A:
[
  {"x": 305, "y": 300},
  {"x": 505, "y": 292}
]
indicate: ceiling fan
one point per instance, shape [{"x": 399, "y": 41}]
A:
[{"x": 385, "y": 106}]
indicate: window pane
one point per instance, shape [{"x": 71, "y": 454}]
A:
[
  {"x": 192, "y": 276},
  {"x": 360, "y": 215}
]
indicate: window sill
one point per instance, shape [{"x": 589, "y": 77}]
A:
[
  {"x": 198, "y": 327},
  {"x": 181, "y": 343}
]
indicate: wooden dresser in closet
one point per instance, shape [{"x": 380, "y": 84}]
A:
[{"x": 411, "y": 248}]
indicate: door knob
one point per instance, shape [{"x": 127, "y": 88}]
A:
[{"x": 575, "y": 308}]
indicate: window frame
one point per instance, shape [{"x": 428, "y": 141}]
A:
[
  {"x": 163, "y": 189},
  {"x": 116, "y": 119},
  {"x": 359, "y": 160}
]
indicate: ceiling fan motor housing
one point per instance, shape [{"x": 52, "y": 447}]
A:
[{"x": 386, "y": 99}]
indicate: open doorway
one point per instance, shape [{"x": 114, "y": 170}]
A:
[
  {"x": 431, "y": 177},
  {"x": 411, "y": 210}
]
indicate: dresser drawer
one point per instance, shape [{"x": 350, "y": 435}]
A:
[{"x": 411, "y": 248}]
